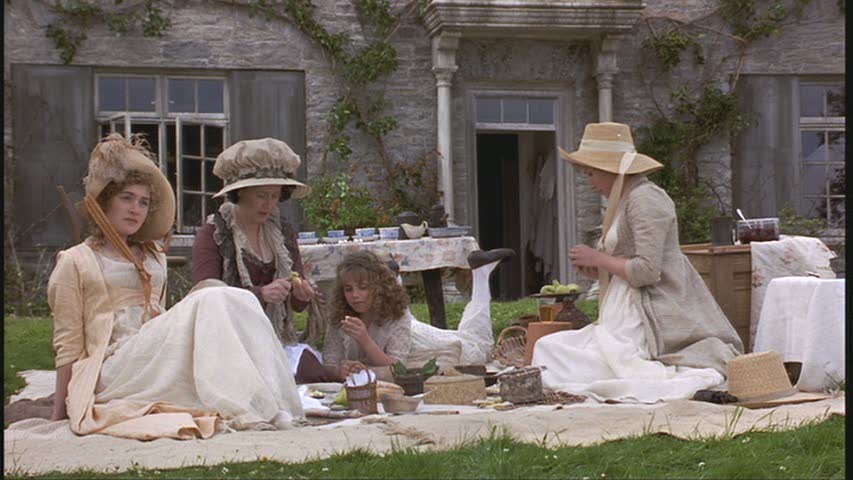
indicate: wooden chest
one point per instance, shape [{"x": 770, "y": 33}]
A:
[{"x": 727, "y": 271}]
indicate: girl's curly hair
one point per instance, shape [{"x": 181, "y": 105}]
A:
[{"x": 388, "y": 299}]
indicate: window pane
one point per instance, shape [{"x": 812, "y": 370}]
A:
[
  {"x": 210, "y": 96},
  {"x": 170, "y": 156},
  {"x": 836, "y": 212},
  {"x": 211, "y": 206},
  {"x": 541, "y": 111},
  {"x": 835, "y": 102},
  {"x": 814, "y": 180},
  {"x": 111, "y": 92},
  {"x": 213, "y": 141},
  {"x": 812, "y": 145},
  {"x": 212, "y": 183},
  {"x": 515, "y": 110},
  {"x": 181, "y": 95},
  {"x": 191, "y": 140},
  {"x": 489, "y": 110},
  {"x": 811, "y": 100},
  {"x": 191, "y": 174},
  {"x": 192, "y": 210},
  {"x": 837, "y": 146},
  {"x": 143, "y": 91},
  {"x": 151, "y": 134},
  {"x": 838, "y": 179}
]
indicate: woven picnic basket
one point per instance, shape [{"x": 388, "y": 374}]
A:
[
  {"x": 510, "y": 350},
  {"x": 454, "y": 390}
]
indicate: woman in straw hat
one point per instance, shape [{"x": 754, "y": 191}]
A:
[
  {"x": 126, "y": 366},
  {"x": 246, "y": 244},
  {"x": 660, "y": 334}
]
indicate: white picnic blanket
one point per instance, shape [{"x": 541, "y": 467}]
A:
[{"x": 37, "y": 446}]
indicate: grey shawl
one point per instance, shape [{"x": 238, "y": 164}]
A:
[{"x": 683, "y": 323}]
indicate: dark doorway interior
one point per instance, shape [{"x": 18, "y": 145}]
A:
[{"x": 498, "y": 200}]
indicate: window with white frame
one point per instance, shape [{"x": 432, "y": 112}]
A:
[
  {"x": 823, "y": 172},
  {"x": 185, "y": 121}
]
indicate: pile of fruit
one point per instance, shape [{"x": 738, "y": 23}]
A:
[{"x": 557, "y": 288}]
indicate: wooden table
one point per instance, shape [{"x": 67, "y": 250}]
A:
[{"x": 426, "y": 255}]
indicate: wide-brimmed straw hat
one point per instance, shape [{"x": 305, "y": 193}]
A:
[
  {"x": 111, "y": 160},
  {"x": 265, "y": 161},
  {"x": 604, "y": 144},
  {"x": 759, "y": 380}
]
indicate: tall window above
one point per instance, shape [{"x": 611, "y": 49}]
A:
[
  {"x": 185, "y": 121},
  {"x": 823, "y": 170}
]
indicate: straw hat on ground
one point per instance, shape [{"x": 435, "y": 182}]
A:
[
  {"x": 264, "y": 161},
  {"x": 111, "y": 160},
  {"x": 604, "y": 145},
  {"x": 759, "y": 380}
]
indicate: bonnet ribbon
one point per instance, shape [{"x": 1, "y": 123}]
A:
[
  {"x": 612, "y": 203},
  {"x": 121, "y": 246}
]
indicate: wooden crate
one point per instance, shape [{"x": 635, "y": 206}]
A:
[{"x": 727, "y": 271}]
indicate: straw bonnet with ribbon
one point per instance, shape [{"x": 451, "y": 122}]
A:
[
  {"x": 112, "y": 159},
  {"x": 610, "y": 147},
  {"x": 264, "y": 161},
  {"x": 759, "y": 380}
]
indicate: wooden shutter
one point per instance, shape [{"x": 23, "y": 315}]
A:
[
  {"x": 271, "y": 104},
  {"x": 765, "y": 155},
  {"x": 54, "y": 131}
]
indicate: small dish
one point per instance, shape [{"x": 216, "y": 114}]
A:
[
  {"x": 370, "y": 238},
  {"x": 447, "y": 232},
  {"x": 389, "y": 233},
  {"x": 334, "y": 240},
  {"x": 400, "y": 403}
]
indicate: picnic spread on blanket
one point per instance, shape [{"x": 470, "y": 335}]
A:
[{"x": 711, "y": 323}]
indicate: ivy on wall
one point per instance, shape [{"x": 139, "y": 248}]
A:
[
  {"x": 702, "y": 111},
  {"x": 360, "y": 66}
]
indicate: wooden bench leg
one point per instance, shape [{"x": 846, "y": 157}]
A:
[{"x": 435, "y": 297}]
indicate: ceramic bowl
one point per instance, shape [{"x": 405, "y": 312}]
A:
[
  {"x": 365, "y": 232},
  {"x": 414, "y": 231},
  {"x": 389, "y": 233},
  {"x": 307, "y": 235},
  {"x": 400, "y": 403}
]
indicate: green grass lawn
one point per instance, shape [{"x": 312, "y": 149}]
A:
[{"x": 812, "y": 451}]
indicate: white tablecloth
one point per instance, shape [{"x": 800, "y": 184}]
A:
[
  {"x": 803, "y": 319},
  {"x": 790, "y": 256},
  {"x": 412, "y": 255}
]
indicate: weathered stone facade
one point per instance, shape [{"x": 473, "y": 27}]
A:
[{"x": 221, "y": 36}]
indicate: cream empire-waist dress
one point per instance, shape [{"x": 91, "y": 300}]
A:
[
  {"x": 214, "y": 350},
  {"x": 609, "y": 360}
]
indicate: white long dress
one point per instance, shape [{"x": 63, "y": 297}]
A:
[
  {"x": 214, "y": 350},
  {"x": 609, "y": 360},
  {"x": 471, "y": 343}
]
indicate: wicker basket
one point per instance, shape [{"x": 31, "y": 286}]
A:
[
  {"x": 454, "y": 390},
  {"x": 510, "y": 350},
  {"x": 363, "y": 398},
  {"x": 521, "y": 386}
]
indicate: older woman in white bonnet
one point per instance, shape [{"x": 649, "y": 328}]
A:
[
  {"x": 660, "y": 334},
  {"x": 247, "y": 244}
]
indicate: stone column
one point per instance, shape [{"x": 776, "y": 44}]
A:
[
  {"x": 444, "y": 66},
  {"x": 605, "y": 69}
]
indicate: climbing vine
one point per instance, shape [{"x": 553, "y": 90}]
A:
[{"x": 703, "y": 111}]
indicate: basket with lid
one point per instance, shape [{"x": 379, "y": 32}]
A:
[
  {"x": 454, "y": 390},
  {"x": 521, "y": 386}
]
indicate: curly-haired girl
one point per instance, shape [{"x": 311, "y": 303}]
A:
[{"x": 372, "y": 325}]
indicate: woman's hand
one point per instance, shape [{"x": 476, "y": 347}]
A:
[
  {"x": 355, "y": 328},
  {"x": 584, "y": 256},
  {"x": 302, "y": 289},
  {"x": 349, "y": 367},
  {"x": 277, "y": 291}
]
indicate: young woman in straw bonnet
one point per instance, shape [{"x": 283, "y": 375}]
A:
[
  {"x": 246, "y": 244},
  {"x": 125, "y": 365},
  {"x": 373, "y": 327},
  {"x": 660, "y": 334}
]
